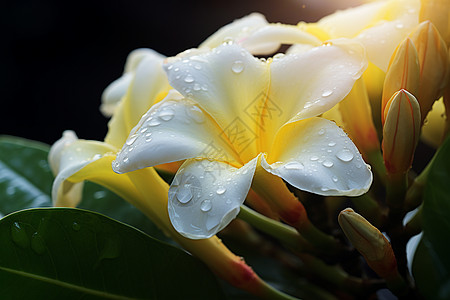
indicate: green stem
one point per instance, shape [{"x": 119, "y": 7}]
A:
[
  {"x": 369, "y": 208},
  {"x": 375, "y": 159},
  {"x": 282, "y": 232}
]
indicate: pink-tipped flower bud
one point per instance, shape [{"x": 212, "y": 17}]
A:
[{"x": 370, "y": 242}]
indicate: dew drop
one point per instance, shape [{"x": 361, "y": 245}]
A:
[
  {"x": 278, "y": 56},
  {"x": 76, "y": 226},
  {"x": 321, "y": 131},
  {"x": 166, "y": 115},
  {"x": 19, "y": 236},
  {"x": 131, "y": 139},
  {"x": 314, "y": 158},
  {"x": 399, "y": 26},
  {"x": 143, "y": 130},
  {"x": 189, "y": 78},
  {"x": 294, "y": 165},
  {"x": 221, "y": 190},
  {"x": 196, "y": 114},
  {"x": 206, "y": 205},
  {"x": 345, "y": 155},
  {"x": 327, "y": 163},
  {"x": 335, "y": 179},
  {"x": 332, "y": 144},
  {"x": 198, "y": 67},
  {"x": 237, "y": 67},
  {"x": 153, "y": 122},
  {"x": 38, "y": 244},
  {"x": 327, "y": 93},
  {"x": 197, "y": 87},
  {"x": 184, "y": 194},
  {"x": 125, "y": 159}
]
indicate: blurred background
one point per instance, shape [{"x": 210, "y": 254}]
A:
[{"x": 58, "y": 56}]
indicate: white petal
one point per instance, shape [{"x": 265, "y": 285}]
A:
[
  {"x": 263, "y": 40},
  {"x": 74, "y": 156},
  {"x": 411, "y": 248},
  {"x": 113, "y": 94},
  {"x": 307, "y": 84},
  {"x": 238, "y": 30},
  {"x": 172, "y": 130},
  {"x": 315, "y": 155},
  {"x": 230, "y": 84},
  {"x": 148, "y": 81},
  {"x": 206, "y": 195},
  {"x": 118, "y": 88}
]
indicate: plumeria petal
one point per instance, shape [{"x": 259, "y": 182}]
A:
[
  {"x": 308, "y": 84},
  {"x": 172, "y": 130},
  {"x": 240, "y": 29},
  {"x": 260, "y": 40},
  {"x": 68, "y": 160},
  {"x": 317, "y": 156},
  {"x": 230, "y": 84},
  {"x": 117, "y": 89},
  {"x": 205, "y": 196}
]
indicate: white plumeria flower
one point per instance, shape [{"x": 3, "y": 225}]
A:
[
  {"x": 144, "y": 65},
  {"x": 232, "y": 112}
]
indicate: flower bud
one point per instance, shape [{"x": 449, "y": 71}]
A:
[
  {"x": 401, "y": 132},
  {"x": 370, "y": 242},
  {"x": 438, "y": 12},
  {"x": 432, "y": 53},
  {"x": 403, "y": 73}
]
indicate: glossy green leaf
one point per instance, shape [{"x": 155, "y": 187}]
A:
[
  {"x": 76, "y": 254},
  {"x": 26, "y": 182},
  {"x": 436, "y": 223},
  {"x": 25, "y": 177}
]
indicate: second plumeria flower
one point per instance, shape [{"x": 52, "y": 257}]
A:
[{"x": 232, "y": 112}]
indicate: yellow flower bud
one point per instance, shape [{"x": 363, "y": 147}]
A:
[
  {"x": 438, "y": 12},
  {"x": 370, "y": 242},
  {"x": 401, "y": 132},
  {"x": 432, "y": 53},
  {"x": 403, "y": 73}
]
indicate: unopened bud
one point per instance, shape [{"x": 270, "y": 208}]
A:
[
  {"x": 438, "y": 12},
  {"x": 401, "y": 132},
  {"x": 370, "y": 242},
  {"x": 432, "y": 53},
  {"x": 403, "y": 73}
]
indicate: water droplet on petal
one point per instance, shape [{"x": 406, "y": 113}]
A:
[
  {"x": 189, "y": 78},
  {"x": 314, "y": 158},
  {"x": 332, "y": 144},
  {"x": 206, "y": 205},
  {"x": 166, "y": 115},
  {"x": 197, "y": 87},
  {"x": 294, "y": 165},
  {"x": 335, "y": 179},
  {"x": 221, "y": 190},
  {"x": 399, "y": 26},
  {"x": 321, "y": 131},
  {"x": 131, "y": 139},
  {"x": 196, "y": 114},
  {"x": 125, "y": 159},
  {"x": 327, "y": 163},
  {"x": 237, "y": 67},
  {"x": 345, "y": 155},
  {"x": 278, "y": 56},
  {"x": 143, "y": 130},
  {"x": 153, "y": 122},
  {"x": 327, "y": 93},
  {"x": 184, "y": 194}
]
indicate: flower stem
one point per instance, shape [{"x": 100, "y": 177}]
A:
[
  {"x": 375, "y": 158},
  {"x": 284, "y": 233}
]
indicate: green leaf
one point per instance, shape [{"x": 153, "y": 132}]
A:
[
  {"x": 436, "y": 221},
  {"x": 25, "y": 177},
  {"x": 26, "y": 182},
  {"x": 99, "y": 199},
  {"x": 74, "y": 254}
]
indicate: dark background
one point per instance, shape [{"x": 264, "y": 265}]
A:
[{"x": 58, "y": 56}]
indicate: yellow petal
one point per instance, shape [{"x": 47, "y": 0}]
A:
[
  {"x": 438, "y": 12},
  {"x": 434, "y": 125}
]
